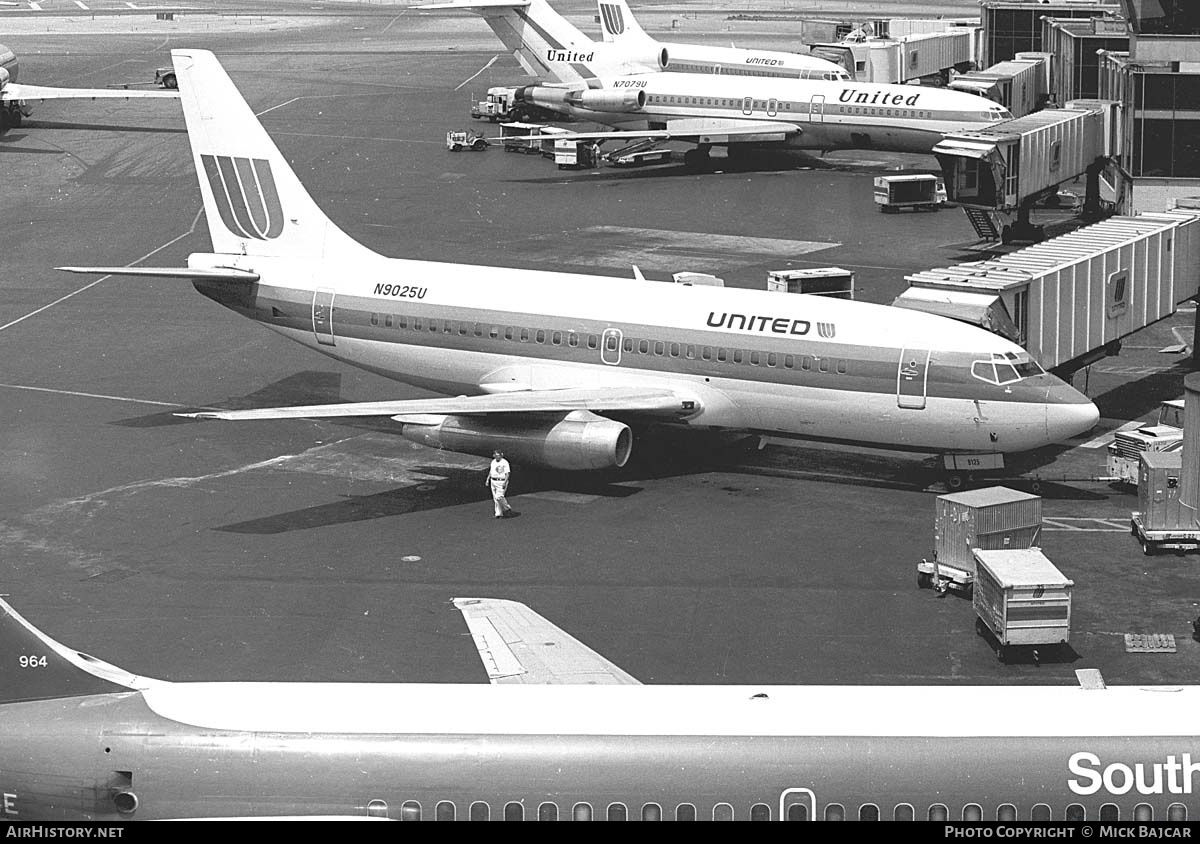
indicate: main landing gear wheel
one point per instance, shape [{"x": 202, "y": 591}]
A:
[
  {"x": 958, "y": 481},
  {"x": 695, "y": 159}
]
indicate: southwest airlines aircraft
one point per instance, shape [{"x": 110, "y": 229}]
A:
[
  {"x": 16, "y": 97},
  {"x": 718, "y": 110},
  {"x": 556, "y": 368},
  {"x": 563, "y": 734},
  {"x": 621, "y": 29}
]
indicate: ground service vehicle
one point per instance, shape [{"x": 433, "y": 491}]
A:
[
  {"x": 1127, "y": 446},
  {"x": 458, "y": 141}
]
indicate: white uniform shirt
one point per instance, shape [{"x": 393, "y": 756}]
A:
[{"x": 499, "y": 470}]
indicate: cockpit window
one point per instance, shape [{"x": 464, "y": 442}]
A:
[{"x": 1005, "y": 368}]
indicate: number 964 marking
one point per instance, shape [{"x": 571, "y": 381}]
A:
[{"x": 32, "y": 661}]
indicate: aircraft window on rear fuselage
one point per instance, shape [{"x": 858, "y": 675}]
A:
[
  {"x": 903, "y": 812},
  {"x": 402, "y": 322},
  {"x": 524, "y": 335},
  {"x": 685, "y": 812},
  {"x": 722, "y": 354},
  {"x": 690, "y": 352},
  {"x": 445, "y": 811},
  {"x": 494, "y": 332},
  {"x": 674, "y": 350},
  {"x": 760, "y": 812},
  {"x": 377, "y": 809},
  {"x": 593, "y": 341},
  {"x": 771, "y": 359},
  {"x": 572, "y": 339},
  {"x": 514, "y": 812},
  {"x": 416, "y": 323},
  {"x": 1110, "y": 812},
  {"x": 480, "y": 812},
  {"x": 433, "y": 325},
  {"x": 462, "y": 329},
  {"x": 938, "y": 812},
  {"x": 738, "y": 355},
  {"x": 1041, "y": 812},
  {"x": 835, "y": 812},
  {"x": 581, "y": 812},
  {"x": 868, "y": 812},
  {"x": 841, "y": 366},
  {"x": 1143, "y": 812},
  {"x": 659, "y": 347},
  {"x": 644, "y": 347},
  {"x": 651, "y": 812},
  {"x": 972, "y": 812},
  {"x": 706, "y": 352},
  {"x": 722, "y": 812},
  {"x": 1177, "y": 812},
  {"x": 556, "y": 338},
  {"x": 509, "y": 332},
  {"x": 410, "y": 811},
  {"x": 548, "y": 812},
  {"x": 628, "y": 345},
  {"x": 754, "y": 358},
  {"x": 540, "y": 337},
  {"x": 1007, "y": 813},
  {"x": 1075, "y": 812},
  {"x": 617, "y": 812},
  {"x": 797, "y": 812}
]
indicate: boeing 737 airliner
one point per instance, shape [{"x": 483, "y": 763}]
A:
[
  {"x": 557, "y": 368},
  {"x": 15, "y": 98},
  {"x": 735, "y": 111},
  {"x": 563, "y": 734}
]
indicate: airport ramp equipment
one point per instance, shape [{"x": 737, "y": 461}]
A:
[
  {"x": 1020, "y": 85},
  {"x": 1022, "y": 600},
  {"x": 1072, "y": 299}
]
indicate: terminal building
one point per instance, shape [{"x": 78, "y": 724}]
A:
[
  {"x": 1158, "y": 83},
  {"x": 1015, "y": 26}
]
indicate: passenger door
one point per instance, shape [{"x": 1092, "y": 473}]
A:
[
  {"x": 912, "y": 375},
  {"x": 322, "y": 316},
  {"x": 816, "y": 109},
  {"x": 797, "y": 804}
]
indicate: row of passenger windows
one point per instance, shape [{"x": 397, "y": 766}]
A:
[
  {"x": 613, "y": 344},
  {"x": 411, "y": 810},
  {"x": 773, "y": 106},
  {"x": 759, "y": 70}
]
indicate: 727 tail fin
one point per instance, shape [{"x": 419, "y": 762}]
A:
[
  {"x": 254, "y": 203},
  {"x": 35, "y": 667},
  {"x": 618, "y": 23}
]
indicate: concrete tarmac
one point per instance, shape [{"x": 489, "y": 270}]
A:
[{"x": 325, "y": 551}]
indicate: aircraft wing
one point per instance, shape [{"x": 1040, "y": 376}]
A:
[
  {"x": 519, "y": 646},
  {"x": 647, "y": 400},
  {"x": 696, "y": 130},
  {"x": 14, "y": 92}
]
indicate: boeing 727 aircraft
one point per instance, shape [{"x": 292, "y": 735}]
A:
[
  {"x": 15, "y": 98},
  {"x": 621, "y": 29},
  {"x": 738, "y": 112},
  {"x": 561, "y": 733},
  {"x": 557, "y": 369}
]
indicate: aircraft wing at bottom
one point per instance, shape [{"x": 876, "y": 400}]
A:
[
  {"x": 14, "y": 92},
  {"x": 652, "y": 401},
  {"x": 519, "y": 646}
]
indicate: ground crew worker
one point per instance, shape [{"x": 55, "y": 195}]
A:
[{"x": 497, "y": 482}]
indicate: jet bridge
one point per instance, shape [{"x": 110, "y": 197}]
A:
[
  {"x": 1071, "y": 300},
  {"x": 996, "y": 174}
]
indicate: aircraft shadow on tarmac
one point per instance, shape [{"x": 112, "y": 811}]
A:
[
  {"x": 309, "y": 387},
  {"x": 104, "y": 127}
]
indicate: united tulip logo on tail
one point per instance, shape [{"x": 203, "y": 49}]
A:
[
  {"x": 246, "y": 196},
  {"x": 614, "y": 21}
]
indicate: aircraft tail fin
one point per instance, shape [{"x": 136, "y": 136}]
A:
[
  {"x": 254, "y": 202},
  {"x": 618, "y": 23},
  {"x": 545, "y": 43},
  {"x": 35, "y": 667}
]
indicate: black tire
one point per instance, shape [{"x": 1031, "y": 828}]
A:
[
  {"x": 924, "y": 580},
  {"x": 1148, "y": 548},
  {"x": 479, "y": 145},
  {"x": 980, "y": 627},
  {"x": 16, "y": 118},
  {"x": 456, "y": 148},
  {"x": 956, "y": 481},
  {"x": 170, "y": 82}
]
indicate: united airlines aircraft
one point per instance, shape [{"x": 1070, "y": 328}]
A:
[
  {"x": 558, "y": 369},
  {"x": 16, "y": 98},
  {"x": 734, "y": 111},
  {"x": 621, "y": 29},
  {"x": 563, "y": 734}
]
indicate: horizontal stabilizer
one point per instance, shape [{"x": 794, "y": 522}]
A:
[
  {"x": 210, "y": 273},
  {"x": 648, "y": 400},
  {"x": 519, "y": 646},
  {"x": 13, "y": 92}
]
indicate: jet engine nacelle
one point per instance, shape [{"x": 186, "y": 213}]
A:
[
  {"x": 646, "y": 62},
  {"x": 557, "y": 99},
  {"x": 576, "y": 441}
]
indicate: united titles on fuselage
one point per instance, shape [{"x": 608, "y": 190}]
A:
[
  {"x": 849, "y": 95},
  {"x": 568, "y": 56},
  {"x": 775, "y": 325}
]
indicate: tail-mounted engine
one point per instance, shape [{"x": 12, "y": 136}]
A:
[{"x": 559, "y": 99}]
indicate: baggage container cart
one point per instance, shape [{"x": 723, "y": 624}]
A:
[
  {"x": 919, "y": 191},
  {"x": 993, "y": 518},
  {"x": 521, "y": 137},
  {"x": 1022, "y": 601}
]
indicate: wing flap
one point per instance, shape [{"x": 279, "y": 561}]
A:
[
  {"x": 653, "y": 401},
  {"x": 15, "y": 92},
  {"x": 519, "y": 646},
  {"x": 699, "y": 130}
]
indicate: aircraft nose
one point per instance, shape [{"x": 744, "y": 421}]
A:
[{"x": 1069, "y": 413}]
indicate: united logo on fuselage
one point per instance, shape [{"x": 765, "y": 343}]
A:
[
  {"x": 614, "y": 21},
  {"x": 246, "y": 197}
]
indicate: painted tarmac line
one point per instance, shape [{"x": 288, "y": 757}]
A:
[
  {"x": 1105, "y": 439},
  {"x": 90, "y": 285},
  {"x": 1064, "y": 523},
  {"x": 79, "y": 394}
]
